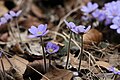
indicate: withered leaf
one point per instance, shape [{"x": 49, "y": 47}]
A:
[
  {"x": 75, "y": 62},
  {"x": 4, "y": 37},
  {"x": 93, "y": 35},
  {"x": 103, "y": 64},
  {"x": 3, "y": 9},
  {"x": 58, "y": 74},
  {"x": 17, "y": 64}
]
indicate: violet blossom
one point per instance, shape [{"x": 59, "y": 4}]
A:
[
  {"x": 70, "y": 25},
  {"x": 114, "y": 70},
  {"x": 80, "y": 29},
  {"x": 15, "y": 14},
  {"x": 8, "y": 17},
  {"x": 89, "y": 7},
  {"x": 3, "y": 20},
  {"x": 51, "y": 47},
  {"x": 112, "y": 9},
  {"x": 116, "y": 24},
  {"x": 38, "y": 32},
  {"x": 99, "y": 15}
]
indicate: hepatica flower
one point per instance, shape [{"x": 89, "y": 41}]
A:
[
  {"x": 51, "y": 47},
  {"x": 114, "y": 70},
  {"x": 15, "y": 14},
  {"x": 81, "y": 29},
  {"x": 99, "y": 15},
  {"x": 70, "y": 25},
  {"x": 8, "y": 17},
  {"x": 116, "y": 24},
  {"x": 112, "y": 9},
  {"x": 38, "y": 32},
  {"x": 89, "y": 8},
  {"x": 3, "y": 20}
]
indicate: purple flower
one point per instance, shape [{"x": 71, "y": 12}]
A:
[
  {"x": 70, "y": 25},
  {"x": 108, "y": 21},
  {"x": 51, "y": 47},
  {"x": 99, "y": 15},
  {"x": 3, "y": 20},
  {"x": 89, "y": 8},
  {"x": 8, "y": 17},
  {"x": 116, "y": 24},
  {"x": 15, "y": 14},
  {"x": 114, "y": 70},
  {"x": 112, "y": 9},
  {"x": 80, "y": 29},
  {"x": 38, "y": 32}
]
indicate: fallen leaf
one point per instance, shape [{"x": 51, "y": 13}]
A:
[
  {"x": 4, "y": 37},
  {"x": 103, "y": 64},
  {"x": 17, "y": 64},
  {"x": 37, "y": 11},
  {"x": 39, "y": 66},
  {"x": 3, "y": 9},
  {"x": 93, "y": 35},
  {"x": 75, "y": 62},
  {"x": 58, "y": 74},
  {"x": 30, "y": 22}
]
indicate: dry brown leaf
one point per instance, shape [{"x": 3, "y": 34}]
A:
[
  {"x": 30, "y": 22},
  {"x": 17, "y": 48},
  {"x": 4, "y": 37},
  {"x": 92, "y": 35},
  {"x": 75, "y": 62},
  {"x": 3, "y": 9},
  {"x": 17, "y": 64},
  {"x": 58, "y": 74},
  {"x": 38, "y": 65},
  {"x": 37, "y": 11},
  {"x": 103, "y": 64}
]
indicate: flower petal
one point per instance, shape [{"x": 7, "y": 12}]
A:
[
  {"x": 118, "y": 30},
  {"x": 3, "y": 20},
  {"x": 87, "y": 29},
  {"x": 85, "y": 9},
  {"x": 12, "y": 13},
  {"x": 45, "y": 32},
  {"x": 33, "y": 30},
  {"x": 18, "y": 13},
  {"x": 32, "y": 36},
  {"x": 74, "y": 30},
  {"x": 7, "y": 16},
  {"x": 114, "y": 26},
  {"x": 42, "y": 28}
]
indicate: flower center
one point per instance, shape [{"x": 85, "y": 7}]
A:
[
  {"x": 50, "y": 50},
  {"x": 39, "y": 32},
  {"x": 116, "y": 69}
]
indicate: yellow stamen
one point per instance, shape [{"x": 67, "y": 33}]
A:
[
  {"x": 39, "y": 32},
  {"x": 50, "y": 50}
]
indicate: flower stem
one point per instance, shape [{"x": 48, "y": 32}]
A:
[
  {"x": 81, "y": 52},
  {"x": 44, "y": 54},
  {"x": 50, "y": 60},
  {"x": 68, "y": 52},
  {"x": 4, "y": 74},
  {"x": 16, "y": 22}
]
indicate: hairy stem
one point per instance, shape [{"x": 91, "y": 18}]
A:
[
  {"x": 81, "y": 52},
  {"x": 68, "y": 52},
  {"x": 50, "y": 55},
  {"x": 44, "y": 54},
  {"x": 18, "y": 29},
  {"x": 4, "y": 75}
]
